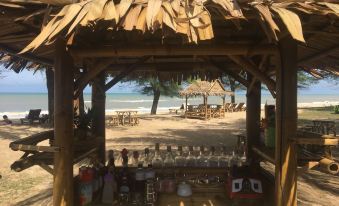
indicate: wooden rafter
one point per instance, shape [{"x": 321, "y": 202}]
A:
[
  {"x": 178, "y": 50},
  {"x": 29, "y": 57},
  {"x": 261, "y": 68},
  {"x": 254, "y": 70},
  {"x": 236, "y": 76},
  {"x": 81, "y": 83},
  {"x": 124, "y": 73},
  {"x": 318, "y": 55}
]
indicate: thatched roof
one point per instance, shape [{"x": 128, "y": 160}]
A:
[
  {"x": 32, "y": 27},
  {"x": 205, "y": 88}
]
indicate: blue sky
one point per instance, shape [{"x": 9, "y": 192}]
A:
[{"x": 27, "y": 82}]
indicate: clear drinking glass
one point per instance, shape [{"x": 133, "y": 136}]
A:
[
  {"x": 212, "y": 158},
  {"x": 190, "y": 159},
  {"x": 180, "y": 160},
  {"x": 169, "y": 160},
  {"x": 224, "y": 159},
  {"x": 202, "y": 160},
  {"x": 157, "y": 160}
]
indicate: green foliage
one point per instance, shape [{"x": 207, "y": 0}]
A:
[
  {"x": 84, "y": 121},
  {"x": 305, "y": 80},
  {"x": 150, "y": 85},
  {"x": 336, "y": 109}
]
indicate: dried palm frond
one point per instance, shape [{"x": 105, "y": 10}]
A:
[{"x": 192, "y": 18}]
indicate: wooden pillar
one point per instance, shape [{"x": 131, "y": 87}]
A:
[
  {"x": 205, "y": 102},
  {"x": 50, "y": 91},
  {"x": 186, "y": 103},
  {"x": 286, "y": 124},
  {"x": 98, "y": 107},
  {"x": 253, "y": 111},
  {"x": 63, "y": 126}
]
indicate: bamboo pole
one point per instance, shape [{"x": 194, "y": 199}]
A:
[
  {"x": 167, "y": 50},
  {"x": 98, "y": 107},
  {"x": 286, "y": 124},
  {"x": 63, "y": 126},
  {"x": 253, "y": 110}
]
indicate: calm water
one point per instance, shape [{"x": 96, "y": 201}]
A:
[{"x": 17, "y": 104}]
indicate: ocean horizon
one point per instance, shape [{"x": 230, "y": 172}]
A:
[{"x": 17, "y": 105}]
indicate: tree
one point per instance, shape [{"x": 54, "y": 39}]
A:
[
  {"x": 153, "y": 86},
  {"x": 233, "y": 85}
]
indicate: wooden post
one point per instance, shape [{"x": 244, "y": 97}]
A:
[
  {"x": 186, "y": 104},
  {"x": 286, "y": 124},
  {"x": 63, "y": 125},
  {"x": 50, "y": 90},
  {"x": 253, "y": 110},
  {"x": 98, "y": 107},
  {"x": 205, "y": 102}
]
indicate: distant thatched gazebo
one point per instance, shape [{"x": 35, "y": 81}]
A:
[{"x": 205, "y": 89}]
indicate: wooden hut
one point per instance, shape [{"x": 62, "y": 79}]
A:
[
  {"x": 255, "y": 42},
  {"x": 206, "y": 89}
]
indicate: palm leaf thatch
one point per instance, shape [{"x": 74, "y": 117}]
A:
[
  {"x": 190, "y": 18},
  {"x": 206, "y": 88}
]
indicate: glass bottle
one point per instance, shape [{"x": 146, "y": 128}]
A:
[
  {"x": 202, "y": 160},
  {"x": 234, "y": 159},
  {"x": 124, "y": 157},
  {"x": 139, "y": 186},
  {"x": 146, "y": 159},
  {"x": 169, "y": 160},
  {"x": 180, "y": 160},
  {"x": 242, "y": 160},
  {"x": 224, "y": 159},
  {"x": 135, "y": 159},
  {"x": 212, "y": 158},
  {"x": 157, "y": 160},
  {"x": 191, "y": 160}
]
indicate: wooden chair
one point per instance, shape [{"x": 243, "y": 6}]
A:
[
  {"x": 33, "y": 115},
  {"x": 231, "y": 107},
  {"x": 239, "y": 107},
  {"x": 113, "y": 121}
]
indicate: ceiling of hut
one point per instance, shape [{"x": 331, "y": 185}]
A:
[{"x": 28, "y": 29}]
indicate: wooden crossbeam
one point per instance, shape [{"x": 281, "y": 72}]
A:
[
  {"x": 318, "y": 55},
  {"x": 236, "y": 76},
  {"x": 254, "y": 70},
  {"x": 124, "y": 73},
  {"x": 261, "y": 68},
  {"x": 175, "y": 50},
  {"x": 29, "y": 57},
  {"x": 81, "y": 83}
]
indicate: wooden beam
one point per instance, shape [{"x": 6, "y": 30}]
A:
[
  {"x": 167, "y": 50},
  {"x": 253, "y": 110},
  {"x": 286, "y": 124},
  {"x": 98, "y": 109},
  {"x": 63, "y": 126},
  {"x": 261, "y": 68},
  {"x": 236, "y": 76},
  {"x": 81, "y": 83},
  {"x": 251, "y": 68},
  {"x": 124, "y": 73},
  {"x": 318, "y": 55},
  {"x": 29, "y": 57}
]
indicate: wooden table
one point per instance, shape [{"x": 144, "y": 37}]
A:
[{"x": 129, "y": 114}]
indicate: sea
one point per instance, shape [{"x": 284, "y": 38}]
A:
[{"x": 17, "y": 105}]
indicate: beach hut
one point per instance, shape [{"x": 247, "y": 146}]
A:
[
  {"x": 255, "y": 42},
  {"x": 205, "y": 89}
]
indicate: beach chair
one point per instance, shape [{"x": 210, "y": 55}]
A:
[
  {"x": 239, "y": 107},
  {"x": 231, "y": 107},
  {"x": 33, "y": 115}
]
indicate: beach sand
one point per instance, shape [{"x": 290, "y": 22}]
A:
[{"x": 33, "y": 186}]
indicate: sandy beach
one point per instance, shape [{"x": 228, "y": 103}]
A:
[{"x": 33, "y": 186}]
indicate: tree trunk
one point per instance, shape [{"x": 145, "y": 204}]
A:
[
  {"x": 155, "y": 102},
  {"x": 50, "y": 90},
  {"x": 232, "y": 85}
]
